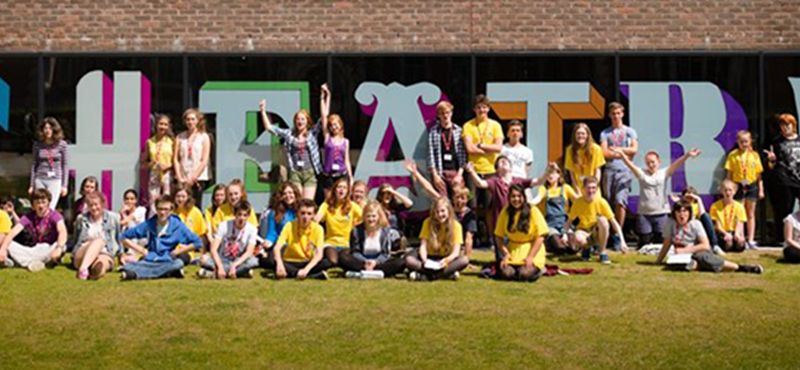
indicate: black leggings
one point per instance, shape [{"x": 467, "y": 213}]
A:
[
  {"x": 390, "y": 267},
  {"x": 414, "y": 263},
  {"x": 520, "y": 273},
  {"x": 791, "y": 255}
]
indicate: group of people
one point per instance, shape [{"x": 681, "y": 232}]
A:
[{"x": 477, "y": 181}]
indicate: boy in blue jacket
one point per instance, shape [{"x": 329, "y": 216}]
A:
[{"x": 167, "y": 237}]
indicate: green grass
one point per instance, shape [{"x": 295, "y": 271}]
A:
[{"x": 629, "y": 315}]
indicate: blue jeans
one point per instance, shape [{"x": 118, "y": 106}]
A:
[
  {"x": 153, "y": 270},
  {"x": 708, "y": 226},
  {"x": 242, "y": 269}
]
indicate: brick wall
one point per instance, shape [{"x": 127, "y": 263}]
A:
[{"x": 397, "y": 25}]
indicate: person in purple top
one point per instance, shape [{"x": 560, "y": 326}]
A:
[
  {"x": 49, "y": 169},
  {"x": 167, "y": 238},
  {"x": 337, "y": 147},
  {"x": 48, "y": 234}
]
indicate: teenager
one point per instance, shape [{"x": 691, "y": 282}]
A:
[
  {"x": 302, "y": 148},
  {"x": 235, "y": 193},
  {"x": 440, "y": 242},
  {"x": 446, "y": 153},
  {"x": 653, "y": 201},
  {"x": 191, "y": 216},
  {"x": 218, "y": 198},
  {"x": 233, "y": 248},
  {"x": 591, "y": 215},
  {"x": 192, "y": 153},
  {"x": 784, "y": 166},
  {"x": 337, "y": 147},
  {"x": 371, "y": 246},
  {"x": 97, "y": 234},
  {"x": 131, "y": 215},
  {"x": 298, "y": 253},
  {"x": 553, "y": 201},
  {"x": 684, "y": 235},
  {"x": 360, "y": 191},
  {"x": 167, "y": 238},
  {"x": 618, "y": 142},
  {"x": 743, "y": 167},
  {"x": 520, "y": 234},
  {"x": 520, "y": 156},
  {"x": 340, "y": 215},
  {"x": 50, "y": 168},
  {"x": 729, "y": 217},
  {"x": 88, "y": 185},
  {"x": 464, "y": 215},
  {"x": 583, "y": 157},
  {"x": 158, "y": 157},
  {"x": 281, "y": 211},
  {"x": 393, "y": 202},
  {"x": 48, "y": 235},
  {"x": 791, "y": 236}
]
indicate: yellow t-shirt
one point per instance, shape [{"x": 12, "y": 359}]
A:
[
  {"x": 695, "y": 210},
  {"x": 160, "y": 152},
  {"x": 744, "y": 166},
  {"x": 519, "y": 243},
  {"x": 728, "y": 215},
  {"x": 596, "y": 160},
  {"x": 225, "y": 213},
  {"x": 5, "y": 222},
  {"x": 458, "y": 238},
  {"x": 193, "y": 219},
  {"x": 337, "y": 225},
  {"x": 300, "y": 245},
  {"x": 484, "y": 133},
  {"x": 555, "y": 192},
  {"x": 587, "y": 211}
]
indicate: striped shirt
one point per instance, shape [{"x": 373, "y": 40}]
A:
[
  {"x": 50, "y": 162},
  {"x": 290, "y": 143}
]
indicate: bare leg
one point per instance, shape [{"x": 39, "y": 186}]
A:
[
  {"x": 602, "y": 233},
  {"x": 750, "y": 207},
  {"x": 309, "y": 191},
  {"x": 89, "y": 255}
]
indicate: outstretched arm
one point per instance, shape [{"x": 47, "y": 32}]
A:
[
  {"x": 479, "y": 182},
  {"x": 674, "y": 167},
  {"x": 325, "y": 109},
  {"x": 426, "y": 185},
  {"x": 262, "y": 106}
]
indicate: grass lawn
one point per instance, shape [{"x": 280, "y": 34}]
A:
[{"x": 627, "y": 315}]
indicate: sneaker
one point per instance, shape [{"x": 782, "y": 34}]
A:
[
  {"x": 751, "y": 245},
  {"x": 322, "y": 275},
  {"x": 586, "y": 255},
  {"x": 352, "y": 275},
  {"x": 604, "y": 259},
  {"x": 248, "y": 274},
  {"x": 416, "y": 276},
  {"x": 127, "y": 275},
  {"x": 96, "y": 271},
  {"x": 205, "y": 274},
  {"x": 757, "y": 269},
  {"x": 178, "y": 274},
  {"x": 83, "y": 275},
  {"x": 691, "y": 266},
  {"x": 36, "y": 266},
  {"x": 718, "y": 251},
  {"x": 455, "y": 276}
]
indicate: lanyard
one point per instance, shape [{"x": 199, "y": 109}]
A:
[
  {"x": 482, "y": 133},
  {"x": 728, "y": 216},
  {"x": 42, "y": 226},
  {"x": 743, "y": 164},
  {"x": 680, "y": 232},
  {"x": 447, "y": 140},
  {"x": 50, "y": 158}
]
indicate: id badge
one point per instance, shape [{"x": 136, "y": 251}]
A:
[
  {"x": 335, "y": 167},
  {"x": 745, "y": 182},
  {"x": 448, "y": 157},
  {"x": 51, "y": 174},
  {"x": 301, "y": 163}
]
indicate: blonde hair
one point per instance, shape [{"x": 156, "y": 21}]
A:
[
  {"x": 201, "y": 118},
  {"x": 434, "y": 226},
  {"x": 444, "y": 106},
  {"x": 374, "y": 206},
  {"x": 727, "y": 182},
  {"x": 336, "y": 118}
]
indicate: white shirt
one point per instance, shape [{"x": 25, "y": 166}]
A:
[{"x": 519, "y": 156}]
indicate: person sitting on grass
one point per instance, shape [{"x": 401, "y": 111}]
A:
[
  {"x": 699, "y": 213},
  {"x": 653, "y": 201},
  {"x": 192, "y": 217},
  {"x": 340, "y": 215},
  {"x": 729, "y": 217},
  {"x": 688, "y": 237},
  {"x": 371, "y": 245},
  {"x": 593, "y": 216},
  {"x": 520, "y": 233},
  {"x": 464, "y": 215},
  {"x": 280, "y": 212},
  {"x": 553, "y": 202},
  {"x": 96, "y": 236},
  {"x": 440, "y": 242},
  {"x": 167, "y": 238},
  {"x": 233, "y": 247},
  {"x": 48, "y": 234},
  {"x": 299, "y": 249},
  {"x": 791, "y": 237}
]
